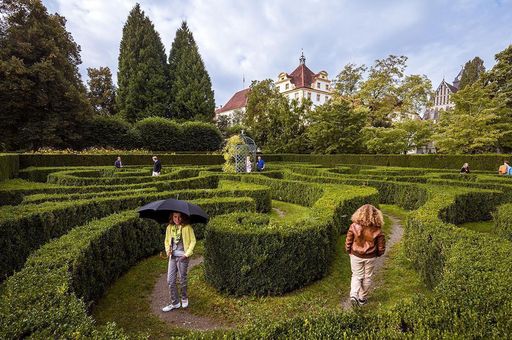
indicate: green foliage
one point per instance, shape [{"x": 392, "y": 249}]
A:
[
  {"x": 503, "y": 221},
  {"x": 335, "y": 127},
  {"x": 348, "y": 82},
  {"x": 9, "y": 166},
  {"x": 244, "y": 254},
  {"x": 229, "y": 152},
  {"x": 143, "y": 84},
  {"x": 41, "y": 94},
  {"x": 201, "y": 136},
  {"x": 159, "y": 134},
  {"x": 266, "y": 108},
  {"x": 469, "y": 128},
  {"x": 385, "y": 140},
  {"x": 472, "y": 71},
  {"x": 106, "y": 131},
  {"x": 102, "y": 92},
  {"x": 191, "y": 94}
]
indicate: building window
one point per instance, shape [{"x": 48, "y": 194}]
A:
[
  {"x": 326, "y": 98},
  {"x": 327, "y": 86},
  {"x": 318, "y": 85},
  {"x": 296, "y": 95},
  {"x": 286, "y": 86},
  {"x": 317, "y": 97},
  {"x": 309, "y": 95}
]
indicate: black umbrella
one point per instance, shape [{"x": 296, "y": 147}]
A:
[{"x": 161, "y": 210}]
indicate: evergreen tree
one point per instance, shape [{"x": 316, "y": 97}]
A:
[
  {"x": 191, "y": 95},
  {"x": 42, "y": 97},
  {"x": 143, "y": 84},
  {"x": 102, "y": 92},
  {"x": 471, "y": 72}
]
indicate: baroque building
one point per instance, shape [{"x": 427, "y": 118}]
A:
[{"x": 300, "y": 84}]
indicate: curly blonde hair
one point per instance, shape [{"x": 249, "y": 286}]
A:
[{"x": 368, "y": 216}]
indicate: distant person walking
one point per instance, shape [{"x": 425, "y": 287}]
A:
[
  {"x": 157, "y": 166},
  {"x": 260, "y": 164},
  {"x": 118, "y": 164},
  {"x": 365, "y": 242},
  {"x": 465, "y": 169}
]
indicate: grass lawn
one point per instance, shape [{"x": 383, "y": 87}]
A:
[
  {"x": 127, "y": 301},
  {"x": 481, "y": 227}
]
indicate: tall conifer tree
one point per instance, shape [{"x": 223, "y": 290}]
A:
[
  {"x": 42, "y": 98},
  {"x": 191, "y": 88},
  {"x": 143, "y": 85}
]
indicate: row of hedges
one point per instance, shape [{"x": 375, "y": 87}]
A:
[
  {"x": 153, "y": 133},
  {"x": 503, "y": 221},
  {"x": 48, "y": 298},
  {"x": 489, "y": 162},
  {"x": 246, "y": 255},
  {"x": 168, "y": 160},
  {"x": 9, "y": 166},
  {"x": 24, "y": 228},
  {"x": 355, "y": 162}
]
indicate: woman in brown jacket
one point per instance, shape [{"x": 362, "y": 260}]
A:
[{"x": 365, "y": 242}]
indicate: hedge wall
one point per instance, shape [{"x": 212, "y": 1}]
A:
[
  {"x": 9, "y": 166},
  {"x": 246, "y": 255},
  {"x": 25, "y": 228},
  {"x": 489, "y": 162},
  {"x": 503, "y": 221},
  {"x": 168, "y": 160}
]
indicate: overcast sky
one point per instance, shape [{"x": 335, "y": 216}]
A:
[{"x": 259, "y": 39}]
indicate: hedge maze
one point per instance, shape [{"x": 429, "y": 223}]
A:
[{"x": 67, "y": 233}]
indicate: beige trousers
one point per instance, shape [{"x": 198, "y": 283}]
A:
[{"x": 362, "y": 271}]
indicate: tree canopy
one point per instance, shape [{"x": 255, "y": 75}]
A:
[
  {"x": 143, "y": 84},
  {"x": 102, "y": 92},
  {"x": 191, "y": 94},
  {"x": 42, "y": 96}
]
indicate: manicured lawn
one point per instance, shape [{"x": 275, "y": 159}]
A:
[
  {"x": 288, "y": 212},
  {"x": 481, "y": 227}
]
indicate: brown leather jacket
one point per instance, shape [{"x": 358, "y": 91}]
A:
[{"x": 365, "y": 242}]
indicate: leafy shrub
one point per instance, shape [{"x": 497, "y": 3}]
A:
[
  {"x": 503, "y": 221},
  {"x": 105, "y": 131},
  {"x": 199, "y": 136},
  {"x": 160, "y": 134},
  {"x": 9, "y": 165}
]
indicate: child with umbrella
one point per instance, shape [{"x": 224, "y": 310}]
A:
[{"x": 179, "y": 243}]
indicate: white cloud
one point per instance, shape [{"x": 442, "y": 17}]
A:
[{"x": 262, "y": 38}]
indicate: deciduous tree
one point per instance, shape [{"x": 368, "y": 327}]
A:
[
  {"x": 102, "y": 92},
  {"x": 42, "y": 98}
]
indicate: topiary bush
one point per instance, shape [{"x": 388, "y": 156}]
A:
[
  {"x": 160, "y": 134},
  {"x": 201, "y": 136},
  {"x": 106, "y": 131}
]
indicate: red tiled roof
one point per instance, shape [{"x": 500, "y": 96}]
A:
[
  {"x": 238, "y": 101},
  {"x": 302, "y": 76}
]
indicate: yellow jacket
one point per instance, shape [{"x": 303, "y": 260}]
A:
[{"x": 189, "y": 238}]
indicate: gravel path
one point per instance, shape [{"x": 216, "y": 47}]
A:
[
  {"x": 397, "y": 231},
  {"x": 181, "y": 317}
]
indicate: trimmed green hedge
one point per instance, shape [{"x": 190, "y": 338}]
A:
[
  {"x": 503, "y": 221},
  {"x": 9, "y": 166},
  {"x": 24, "y": 228},
  {"x": 245, "y": 255},
  {"x": 168, "y": 160},
  {"x": 489, "y": 162}
]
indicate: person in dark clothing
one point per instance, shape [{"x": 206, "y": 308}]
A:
[
  {"x": 118, "y": 164},
  {"x": 157, "y": 166},
  {"x": 465, "y": 169}
]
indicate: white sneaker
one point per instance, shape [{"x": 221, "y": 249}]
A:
[
  {"x": 184, "y": 303},
  {"x": 170, "y": 308}
]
